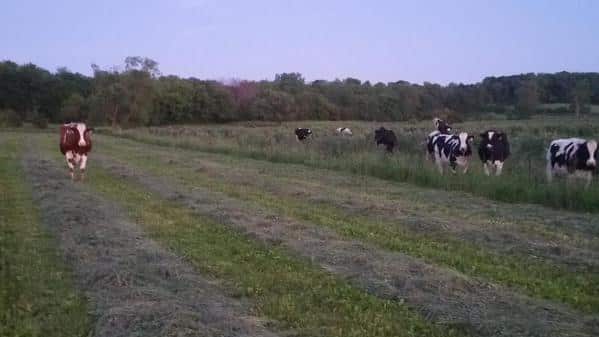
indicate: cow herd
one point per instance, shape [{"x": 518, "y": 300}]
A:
[{"x": 571, "y": 157}]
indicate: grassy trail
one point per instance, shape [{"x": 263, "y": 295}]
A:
[
  {"x": 37, "y": 295},
  {"x": 284, "y": 288}
]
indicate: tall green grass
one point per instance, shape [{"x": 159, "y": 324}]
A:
[{"x": 37, "y": 295}]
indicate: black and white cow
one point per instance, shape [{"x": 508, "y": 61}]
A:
[
  {"x": 442, "y": 128},
  {"x": 451, "y": 150},
  {"x": 572, "y": 157},
  {"x": 344, "y": 131},
  {"x": 385, "y": 137},
  {"x": 302, "y": 133},
  {"x": 493, "y": 150}
]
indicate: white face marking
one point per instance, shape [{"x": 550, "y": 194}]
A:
[
  {"x": 463, "y": 139},
  {"x": 491, "y": 133},
  {"x": 592, "y": 147},
  {"x": 81, "y": 128}
]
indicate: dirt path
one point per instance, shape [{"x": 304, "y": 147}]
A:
[
  {"x": 440, "y": 294},
  {"x": 137, "y": 287},
  {"x": 563, "y": 238}
]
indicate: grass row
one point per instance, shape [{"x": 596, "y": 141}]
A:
[
  {"x": 526, "y": 186},
  {"x": 425, "y": 202},
  {"x": 289, "y": 290},
  {"x": 37, "y": 297},
  {"x": 537, "y": 278}
]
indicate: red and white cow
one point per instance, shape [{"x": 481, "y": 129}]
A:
[{"x": 75, "y": 144}]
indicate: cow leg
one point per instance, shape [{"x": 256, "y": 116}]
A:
[
  {"x": 70, "y": 159},
  {"x": 486, "y": 168},
  {"x": 572, "y": 178},
  {"x": 437, "y": 160},
  {"x": 498, "y": 167},
  {"x": 549, "y": 172},
  {"x": 465, "y": 168},
  {"x": 452, "y": 164},
  {"x": 76, "y": 162},
  {"x": 83, "y": 166},
  {"x": 588, "y": 176}
]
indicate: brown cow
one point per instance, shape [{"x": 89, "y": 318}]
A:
[{"x": 75, "y": 144}]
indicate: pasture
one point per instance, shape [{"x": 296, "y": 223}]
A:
[{"x": 239, "y": 230}]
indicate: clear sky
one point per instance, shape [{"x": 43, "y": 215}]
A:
[{"x": 436, "y": 41}]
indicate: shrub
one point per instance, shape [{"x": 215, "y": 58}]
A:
[
  {"x": 10, "y": 118},
  {"x": 40, "y": 122}
]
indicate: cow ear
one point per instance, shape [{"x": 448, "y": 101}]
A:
[{"x": 470, "y": 138}]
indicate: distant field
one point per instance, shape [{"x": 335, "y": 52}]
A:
[{"x": 594, "y": 109}]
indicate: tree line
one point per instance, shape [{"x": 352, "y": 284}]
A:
[{"x": 136, "y": 93}]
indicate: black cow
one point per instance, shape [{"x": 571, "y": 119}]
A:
[
  {"x": 385, "y": 137},
  {"x": 302, "y": 133},
  {"x": 493, "y": 150},
  {"x": 573, "y": 157},
  {"x": 442, "y": 126},
  {"x": 451, "y": 150}
]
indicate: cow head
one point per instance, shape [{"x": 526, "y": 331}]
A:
[
  {"x": 442, "y": 126},
  {"x": 465, "y": 142},
  {"x": 593, "y": 153},
  {"x": 491, "y": 138},
  {"x": 82, "y": 132}
]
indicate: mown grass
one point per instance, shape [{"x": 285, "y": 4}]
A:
[
  {"x": 522, "y": 182},
  {"x": 289, "y": 290},
  {"x": 537, "y": 278},
  {"x": 37, "y": 295}
]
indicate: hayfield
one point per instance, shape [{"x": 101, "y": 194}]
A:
[
  {"x": 240, "y": 230},
  {"x": 523, "y": 181}
]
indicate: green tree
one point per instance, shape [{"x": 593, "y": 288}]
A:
[
  {"x": 73, "y": 109},
  {"x": 125, "y": 98},
  {"x": 527, "y": 98},
  {"x": 581, "y": 94}
]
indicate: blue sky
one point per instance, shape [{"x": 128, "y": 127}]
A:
[{"x": 435, "y": 41}]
